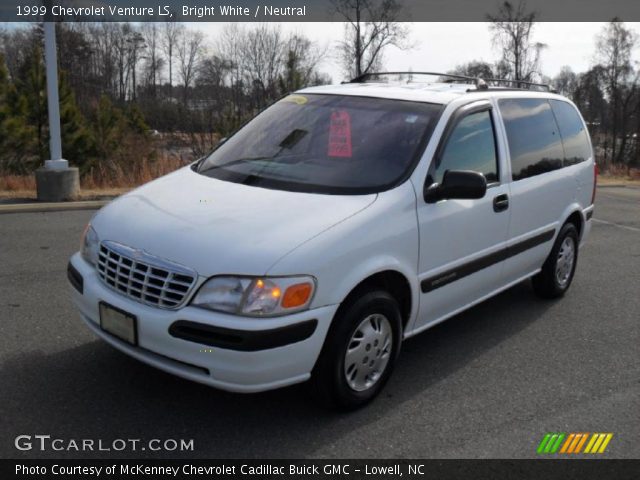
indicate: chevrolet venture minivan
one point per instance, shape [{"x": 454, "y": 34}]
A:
[{"x": 336, "y": 223}]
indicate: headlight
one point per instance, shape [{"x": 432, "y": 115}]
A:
[
  {"x": 257, "y": 297},
  {"x": 90, "y": 245}
]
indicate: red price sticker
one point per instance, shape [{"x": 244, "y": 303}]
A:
[{"x": 340, "y": 134}]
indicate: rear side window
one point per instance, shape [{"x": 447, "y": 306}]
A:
[
  {"x": 574, "y": 136},
  {"x": 471, "y": 146},
  {"x": 534, "y": 140}
]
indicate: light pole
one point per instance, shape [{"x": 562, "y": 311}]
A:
[
  {"x": 53, "y": 102},
  {"x": 56, "y": 181}
]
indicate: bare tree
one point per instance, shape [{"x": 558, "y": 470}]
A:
[
  {"x": 263, "y": 50},
  {"x": 154, "y": 60},
  {"x": 614, "y": 47},
  {"x": 566, "y": 81},
  {"x": 189, "y": 55},
  {"x": 171, "y": 34},
  {"x": 121, "y": 48},
  {"x": 214, "y": 71},
  {"x": 103, "y": 37},
  {"x": 512, "y": 28},
  {"x": 16, "y": 46},
  {"x": 589, "y": 97},
  {"x": 301, "y": 60},
  {"x": 371, "y": 27},
  {"x": 231, "y": 43},
  {"x": 475, "y": 68},
  {"x": 127, "y": 43},
  {"x": 136, "y": 44}
]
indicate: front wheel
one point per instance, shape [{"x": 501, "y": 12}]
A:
[
  {"x": 557, "y": 272},
  {"x": 359, "y": 352}
]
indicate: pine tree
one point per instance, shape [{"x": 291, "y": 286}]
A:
[
  {"x": 78, "y": 145},
  {"x": 135, "y": 120},
  {"x": 77, "y": 142},
  {"x": 109, "y": 126},
  {"x": 15, "y": 134},
  {"x": 31, "y": 88}
]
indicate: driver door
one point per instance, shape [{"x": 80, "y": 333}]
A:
[{"x": 462, "y": 242}]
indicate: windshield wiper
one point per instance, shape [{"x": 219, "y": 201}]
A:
[{"x": 241, "y": 160}]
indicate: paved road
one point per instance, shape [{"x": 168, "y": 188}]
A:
[{"x": 487, "y": 383}]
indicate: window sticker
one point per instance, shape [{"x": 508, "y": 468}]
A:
[
  {"x": 340, "y": 134},
  {"x": 297, "y": 99}
]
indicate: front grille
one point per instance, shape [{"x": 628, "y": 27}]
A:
[{"x": 143, "y": 277}]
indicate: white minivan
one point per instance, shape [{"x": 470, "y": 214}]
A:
[{"x": 336, "y": 223}]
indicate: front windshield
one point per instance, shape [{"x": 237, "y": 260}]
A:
[{"x": 326, "y": 144}]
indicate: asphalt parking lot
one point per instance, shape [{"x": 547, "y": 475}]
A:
[{"x": 488, "y": 383}]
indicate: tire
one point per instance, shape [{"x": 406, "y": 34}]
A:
[
  {"x": 368, "y": 317},
  {"x": 556, "y": 275}
]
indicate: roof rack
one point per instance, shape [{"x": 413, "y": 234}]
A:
[{"x": 479, "y": 83}]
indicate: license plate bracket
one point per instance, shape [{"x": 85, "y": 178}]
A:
[{"x": 118, "y": 323}]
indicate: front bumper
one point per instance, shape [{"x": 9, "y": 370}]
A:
[{"x": 252, "y": 364}]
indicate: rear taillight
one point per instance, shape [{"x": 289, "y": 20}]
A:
[{"x": 595, "y": 181}]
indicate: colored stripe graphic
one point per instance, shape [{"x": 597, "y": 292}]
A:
[
  {"x": 556, "y": 445},
  {"x": 543, "y": 443},
  {"x": 550, "y": 443},
  {"x": 603, "y": 447},
  {"x": 572, "y": 443},
  {"x": 581, "y": 442},
  {"x": 568, "y": 442},
  {"x": 598, "y": 443}
]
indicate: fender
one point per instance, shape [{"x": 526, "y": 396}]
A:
[
  {"x": 351, "y": 251},
  {"x": 379, "y": 265}
]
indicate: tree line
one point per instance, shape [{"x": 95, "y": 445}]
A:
[
  {"x": 608, "y": 94},
  {"x": 121, "y": 84}
]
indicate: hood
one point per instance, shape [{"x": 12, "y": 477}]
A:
[{"x": 218, "y": 227}]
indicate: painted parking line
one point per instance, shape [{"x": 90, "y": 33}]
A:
[{"x": 626, "y": 227}]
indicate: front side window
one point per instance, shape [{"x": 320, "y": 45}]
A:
[
  {"x": 471, "y": 146},
  {"x": 326, "y": 144},
  {"x": 535, "y": 145}
]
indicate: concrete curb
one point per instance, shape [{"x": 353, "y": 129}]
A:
[
  {"x": 618, "y": 185},
  {"x": 52, "y": 207}
]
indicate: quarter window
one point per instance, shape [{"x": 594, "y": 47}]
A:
[
  {"x": 535, "y": 145},
  {"x": 574, "y": 136},
  {"x": 471, "y": 146}
]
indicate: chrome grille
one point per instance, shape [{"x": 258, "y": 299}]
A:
[{"x": 143, "y": 277}]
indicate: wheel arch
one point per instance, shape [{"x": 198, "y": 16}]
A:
[
  {"x": 395, "y": 283},
  {"x": 576, "y": 217}
]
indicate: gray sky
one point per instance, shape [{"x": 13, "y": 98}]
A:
[{"x": 442, "y": 46}]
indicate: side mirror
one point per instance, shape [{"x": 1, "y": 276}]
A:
[{"x": 457, "y": 184}]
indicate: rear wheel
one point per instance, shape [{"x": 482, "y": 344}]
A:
[
  {"x": 557, "y": 272},
  {"x": 359, "y": 352}
]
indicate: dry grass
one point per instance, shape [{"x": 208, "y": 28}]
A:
[
  {"x": 142, "y": 172},
  {"x": 16, "y": 183},
  {"x": 619, "y": 174},
  {"x": 91, "y": 194},
  {"x": 117, "y": 180},
  {"x": 98, "y": 183}
]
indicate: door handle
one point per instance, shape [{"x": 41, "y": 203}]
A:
[{"x": 501, "y": 203}]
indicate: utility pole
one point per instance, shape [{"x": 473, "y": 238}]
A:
[{"x": 56, "y": 181}]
